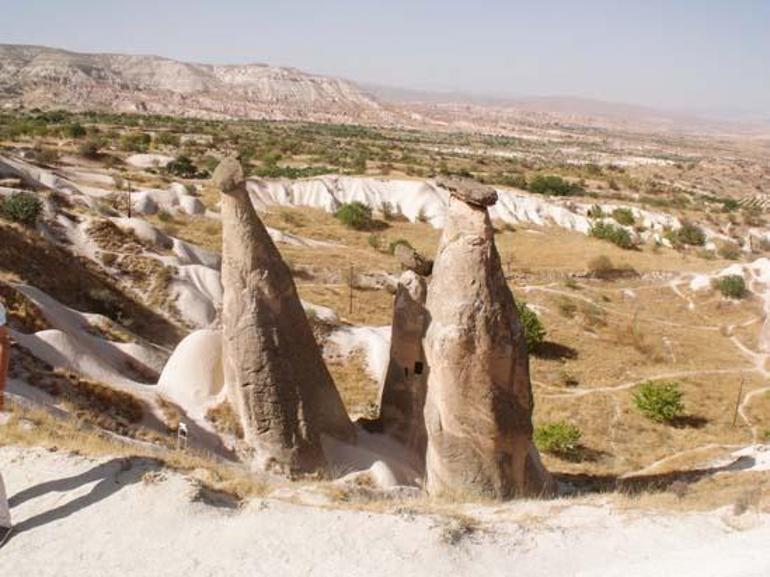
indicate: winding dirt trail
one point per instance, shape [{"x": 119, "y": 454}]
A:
[{"x": 758, "y": 364}]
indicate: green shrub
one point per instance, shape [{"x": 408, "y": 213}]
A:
[
  {"x": 624, "y": 216},
  {"x": 534, "y": 332},
  {"x": 731, "y": 286},
  {"x": 167, "y": 139},
  {"x": 21, "y": 207},
  {"x": 729, "y": 204},
  {"x": 558, "y": 438},
  {"x": 356, "y": 215},
  {"x": 393, "y": 244},
  {"x": 135, "y": 141},
  {"x": 690, "y": 234},
  {"x": 596, "y": 211},
  {"x": 90, "y": 148},
  {"x": 292, "y": 172},
  {"x": 246, "y": 154},
  {"x": 375, "y": 241},
  {"x": 615, "y": 234},
  {"x": 183, "y": 167},
  {"x": 553, "y": 185},
  {"x": 75, "y": 130},
  {"x": 659, "y": 401}
]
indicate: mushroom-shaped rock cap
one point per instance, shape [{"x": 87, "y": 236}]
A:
[
  {"x": 228, "y": 175},
  {"x": 469, "y": 191}
]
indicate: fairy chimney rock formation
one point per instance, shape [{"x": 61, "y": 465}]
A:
[
  {"x": 469, "y": 191},
  {"x": 478, "y": 409},
  {"x": 403, "y": 393},
  {"x": 274, "y": 372}
]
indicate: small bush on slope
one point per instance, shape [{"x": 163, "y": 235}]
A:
[
  {"x": 91, "y": 148},
  {"x": 394, "y": 244},
  {"x": 595, "y": 212},
  {"x": 558, "y": 438},
  {"x": 356, "y": 215},
  {"x": 21, "y": 207},
  {"x": 624, "y": 216},
  {"x": 615, "y": 234},
  {"x": 732, "y": 286},
  {"x": 553, "y": 185},
  {"x": 136, "y": 141},
  {"x": 534, "y": 332},
  {"x": 659, "y": 401},
  {"x": 688, "y": 234},
  {"x": 183, "y": 167}
]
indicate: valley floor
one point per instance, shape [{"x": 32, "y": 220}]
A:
[{"x": 77, "y": 515}]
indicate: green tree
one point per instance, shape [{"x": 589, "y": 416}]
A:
[
  {"x": 660, "y": 401},
  {"x": 553, "y": 185},
  {"x": 731, "y": 286},
  {"x": 558, "y": 438},
  {"x": 534, "y": 332},
  {"x": 356, "y": 215},
  {"x": 75, "y": 130},
  {"x": 183, "y": 167},
  {"x": 615, "y": 234},
  {"x": 624, "y": 216}
]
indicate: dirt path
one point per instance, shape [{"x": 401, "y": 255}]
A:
[
  {"x": 93, "y": 517},
  {"x": 758, "y": 359}
]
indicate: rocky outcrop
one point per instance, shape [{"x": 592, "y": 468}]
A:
[
  {"x": 33, "y": 76},
  {"x": 274, "y": 372},
  {"x": 410, "y": 259},
  {"x": 403, "y": 393},
  {"x": 478, "y": 409}
]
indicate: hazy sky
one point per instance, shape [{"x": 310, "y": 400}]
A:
[{"x": 681, "y": 54}]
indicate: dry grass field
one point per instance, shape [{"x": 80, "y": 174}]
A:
[{"x": 614, "y": 318}]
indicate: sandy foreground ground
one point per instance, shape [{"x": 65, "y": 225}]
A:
[{"x": 102, "y": 517}]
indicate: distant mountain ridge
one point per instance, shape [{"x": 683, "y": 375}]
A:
[
  {"x": 46, "y": 77},
  {"x": 37, "y": 76}
]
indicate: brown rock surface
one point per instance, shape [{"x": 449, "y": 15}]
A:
[
  {"x": 478, "y": 410},
  {"x": 410, "y": 259},
  {"x": 274, "y": 372},
  {"x": 468, "y": 190},
  {"x": 403, "y": 393}
]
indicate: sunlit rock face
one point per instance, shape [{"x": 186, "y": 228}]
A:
[
  {"x": 274, "y": 372},
  {"x": 478, "y": 409}
]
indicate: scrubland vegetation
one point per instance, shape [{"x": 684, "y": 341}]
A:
[{"x": 603, "y": 326}]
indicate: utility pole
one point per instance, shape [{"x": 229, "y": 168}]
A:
[
  {"x": 128, "y": 193},
  {"x": 350, "y": 291},
  {"x": 738, "y": 402}
]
